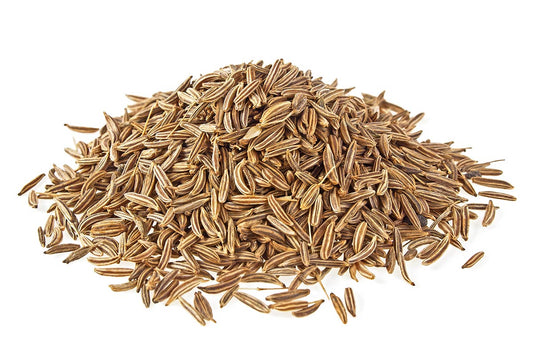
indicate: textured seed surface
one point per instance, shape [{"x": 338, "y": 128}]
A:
[{"x": 259, "y": 177}]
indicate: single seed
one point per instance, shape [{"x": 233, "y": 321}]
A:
[
  {"x": 349, "y": 300},
  {"x": 474, "y": 259},
  {"x": 339, "y": 307}
]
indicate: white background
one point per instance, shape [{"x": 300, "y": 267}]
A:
[{"x": 467, "y": 65}]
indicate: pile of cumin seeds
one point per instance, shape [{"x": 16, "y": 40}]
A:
[{"x": 259, "y": 174}]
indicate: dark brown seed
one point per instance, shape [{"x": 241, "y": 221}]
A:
[
  {"x": 349, "y": 300},
  {"x": 62, "y": 248},
  {"x": 202, "y": 305},
  {"x": 145, "y": 295},
  {"x": 226, "y": 297}
]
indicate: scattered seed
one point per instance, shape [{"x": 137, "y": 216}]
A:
[
  {"x": 474, "y": 259},
  {"x": 339, "y": 307}
]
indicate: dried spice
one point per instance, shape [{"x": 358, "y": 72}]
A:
[{"x": 254, "y": 174}]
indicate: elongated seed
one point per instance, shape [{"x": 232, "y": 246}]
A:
[
  {"x": 349, "y": 300},
  {"x": 473, "y": 260},
  {"x": 252, "y": 302},
  {"x": 339, "y": 308},
  {"x": 32, "y": 183}
]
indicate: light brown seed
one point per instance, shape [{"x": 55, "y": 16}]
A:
[
  {"x": 142, "y": 200},
  {"x": 262, "y": 278},
  {"x": 339, "y": 307},
  {"x": 32, "y": 183},
  {"x": 438, "y": 251},
  {"x": 497, "y": 195},
  {"x": 42, "y": 238},
  {"x": 328, "y": 240},
  {"x": 308, "y": 310},
  {"x": 122, "y": 287},
  {"x": 399, "y": 255},
  {"x": 365, "y": 252},
  {"x": 278, "y": 210},
  {"x": 32, "y": 199},
  {"x": 488, "y": 218},
  {"x": 220, "y": 287},
  {"x": 192, "y": 310},
  {"x": 289, "y": 305},
  {"x": 252, "y": 302},
  {"x": 288, "y": 296},
  {"x": 114, "y": 271},
  {"x": 473, "y": 260},
  {"x": 492, "y": 183},
  {"x": 81, "y": 129}
]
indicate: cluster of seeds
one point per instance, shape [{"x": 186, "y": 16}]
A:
[{"x": 259, "y": 174}]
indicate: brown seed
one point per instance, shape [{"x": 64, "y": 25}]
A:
[
  {"x": 399, "y": 255},
  {"x": 438, "y": 251},
  {"x": 488, "y": 218},
  {"x": 68, "y": 247},
  {"x": 289, "y": 305},
  {"x": 252, "y": 302},
  {"x": 288, "y": 296},
  {"x": 278, "y": 210},
  {"x": 262, "y": 278},
  {"x": 142, "y": 200},
  {"x": 82, "y": 129},
  {"x": 339, "y": 307},
  {"x": 308, "y": 310},
  {"x": 42, "y": 239},
  {"x": 474, "y": 259},
  {"x": 220, "y": 287},
  {"x": 32, "y": 183},
  {"x": 349, "y": 300},
  {"x": 492, "y": 183},
  {"x": 195, "y": 313},
  {"x": 202, "y": 305},
  {"x": 365, "y": 252},
  {"x": 253, "y": 172},
  {"x": 123, "y": 286},
  {"x": 328, "y": 240},
  {"x": 226, "y": 297},
  {"x": 114, "y": 271},
  {"x": 145, "y": 295},
  {"x": 497, "y": 195},
  {"x": 32, "y": 199}
]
